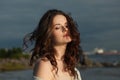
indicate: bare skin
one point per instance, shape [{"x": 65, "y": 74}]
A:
[{"x": 43, "y": 68}]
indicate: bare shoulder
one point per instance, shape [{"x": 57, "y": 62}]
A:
[{"x": 42, "y": 68}]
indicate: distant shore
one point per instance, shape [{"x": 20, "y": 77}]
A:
[
  {"x": 14, "y": 64},
  {"x": 21, "y": 64},
  {"x": 93, "y": 64}
]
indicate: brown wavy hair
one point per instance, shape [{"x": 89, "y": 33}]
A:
[{"x": 43, "y": 47}]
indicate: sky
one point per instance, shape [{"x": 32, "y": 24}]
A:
[{"x": 98, "y": 20}]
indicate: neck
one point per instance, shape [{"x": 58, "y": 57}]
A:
[{"x": 60, "y": 51}]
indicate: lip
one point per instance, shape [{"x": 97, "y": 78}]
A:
[{"x": 66, "y": 35}]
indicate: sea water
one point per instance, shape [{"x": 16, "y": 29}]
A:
[
  {"x": 104, "y": 73},
  {"x": 86, "y": 74}
]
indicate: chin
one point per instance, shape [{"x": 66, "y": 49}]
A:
[{"x": 69, "y": 40}]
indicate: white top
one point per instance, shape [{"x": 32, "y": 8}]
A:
[{"x": 79, "y": 76}]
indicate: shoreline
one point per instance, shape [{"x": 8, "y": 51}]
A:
[
  {"x": 14, "y": 64},
  {"x": 23, "y": 64}
]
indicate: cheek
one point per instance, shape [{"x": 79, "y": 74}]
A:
[{"x": 56, "y": 36}]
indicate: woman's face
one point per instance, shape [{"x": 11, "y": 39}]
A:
[{"x": 60, "y": 34}]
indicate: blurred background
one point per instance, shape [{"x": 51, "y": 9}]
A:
[{"x": 99, "y": 26}]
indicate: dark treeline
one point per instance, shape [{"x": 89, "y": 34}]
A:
[{"x": 16, "y": 53}]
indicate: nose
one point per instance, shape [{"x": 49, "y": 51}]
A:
[{"x": 64, "y": 29}]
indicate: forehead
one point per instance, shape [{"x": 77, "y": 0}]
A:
[{"x": 61, "y": 19}]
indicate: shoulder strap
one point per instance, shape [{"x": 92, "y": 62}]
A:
[{"x": 78, "y": 73}]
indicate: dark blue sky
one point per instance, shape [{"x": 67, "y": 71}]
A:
[{"x": 98, "y": 20}]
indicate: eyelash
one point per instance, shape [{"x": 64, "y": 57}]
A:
[
  {"x": 66, "y": 26},
  {"x": 57, "y": 28}
]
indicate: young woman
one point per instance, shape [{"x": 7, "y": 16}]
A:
[{"x": 57, "y": 47}]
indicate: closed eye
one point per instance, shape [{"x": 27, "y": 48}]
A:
[
  {"x": 66, "y": 25},
  {"x": 57, "y": 26}
]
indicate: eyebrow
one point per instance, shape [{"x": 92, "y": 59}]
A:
[
  {"x": 60, "y": 24},
  {"x": 57, "y": 24}
]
